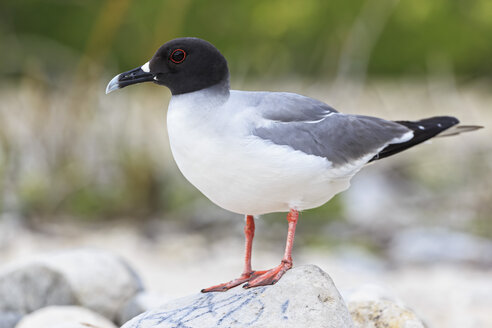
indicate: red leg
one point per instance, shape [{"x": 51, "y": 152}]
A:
[
  {"x": 272, "y": 276},
  {"x": 249, "y": 233}
]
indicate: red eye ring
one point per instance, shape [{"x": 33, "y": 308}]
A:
[{"x": 176, "y": 56}]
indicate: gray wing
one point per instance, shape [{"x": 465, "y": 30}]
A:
[
  {"x": 291, "y": 107},
  {"x": 316, "y": 129}
]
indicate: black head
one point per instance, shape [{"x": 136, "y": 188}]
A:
[{"x": 183, "y": 65}]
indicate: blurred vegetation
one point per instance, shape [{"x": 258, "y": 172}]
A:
[
  {"x": 310, "y": 37},
  {"x": 67, "y": 150}
]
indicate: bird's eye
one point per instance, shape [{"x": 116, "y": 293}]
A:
[{"x": 178, "y": 56}]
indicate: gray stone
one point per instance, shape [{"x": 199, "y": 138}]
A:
[
  {"x": 64, "y": 317},
  {"x": 95, "y": 279},
  {"x": 9, "y": 319},
  {"x": 304, "y": 297},
  {"x": 32, "y": 286},
  {"x": 143, "y": 301}
]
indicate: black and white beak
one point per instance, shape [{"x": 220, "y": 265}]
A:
[{"x": 137, "y": 75}]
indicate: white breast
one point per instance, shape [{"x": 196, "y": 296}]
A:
[{"x": 240, "y": 172}]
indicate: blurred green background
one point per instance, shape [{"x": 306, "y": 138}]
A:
[
  {"x": 69, "y": 151},
  {"x": 307, "y": 38}
]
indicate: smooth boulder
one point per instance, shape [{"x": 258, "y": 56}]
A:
[
  {"x": 31, "y": 286},
  {"x": 95, "y": 279},
  {"x": 64, "y": 317},
  {"x": 304, "y": 297}
]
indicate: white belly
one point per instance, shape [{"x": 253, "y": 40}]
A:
[{"x": 248, "y": 175}]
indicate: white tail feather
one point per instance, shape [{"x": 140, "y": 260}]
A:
[{"x": 457, "y": 129}]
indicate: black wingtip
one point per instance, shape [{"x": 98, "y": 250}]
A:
[
  {"x": 431, "y": 124},
  {"x": 422, "y": 130}
]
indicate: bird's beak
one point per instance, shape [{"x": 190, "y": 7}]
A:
[{"x": 137, "y": 75}]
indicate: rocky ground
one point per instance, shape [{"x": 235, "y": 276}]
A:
[
  {"x": 414, "y": 228},
  {"x": 445, "y": 293}
]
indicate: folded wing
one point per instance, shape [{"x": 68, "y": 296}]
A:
[{"x": 312, "y": 127}]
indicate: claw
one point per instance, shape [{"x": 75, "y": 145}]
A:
[
  {"x": 270, "y": 277},
  {"x": 245, "y": 277}
]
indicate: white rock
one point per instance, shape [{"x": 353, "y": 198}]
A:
[
  {"x": 64, "y": 317},
  {"x": 383, "y": 313},
  {"x": 373, "y": 306},
  {"x": 304, "y": 297},
  {"x": 94, "y": 279}
]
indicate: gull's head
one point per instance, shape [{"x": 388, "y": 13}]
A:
[{"x": 183, "y": 65}]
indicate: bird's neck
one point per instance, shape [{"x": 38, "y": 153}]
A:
[
  {"x": 211, "y": 97},
  {"x": 220, "y": 89}
]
